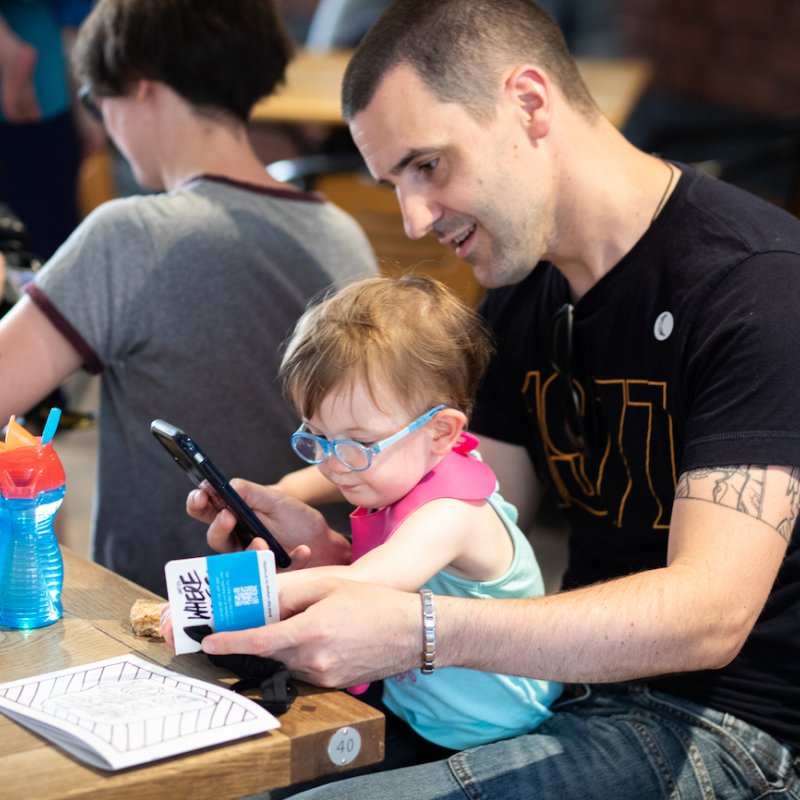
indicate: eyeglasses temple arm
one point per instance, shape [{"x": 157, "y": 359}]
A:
[{"x": 417, "y": 423}]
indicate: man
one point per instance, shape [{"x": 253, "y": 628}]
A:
[{"x": 646, "y": 370}]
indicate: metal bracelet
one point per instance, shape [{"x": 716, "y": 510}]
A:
[{"x": 428, "y": 631}]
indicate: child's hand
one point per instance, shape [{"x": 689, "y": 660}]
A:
[
  {"x": 301, "y": 529},
  {"x": 166, "y": 625}
]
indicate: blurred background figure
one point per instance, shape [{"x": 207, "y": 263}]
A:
[
  {"x": 43, "y": 135},
  {"x": 17, "y": 67}
]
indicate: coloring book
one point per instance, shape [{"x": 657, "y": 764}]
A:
[{"x": 125, "y": 711}]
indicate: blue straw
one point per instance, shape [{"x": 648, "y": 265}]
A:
[{"x": 50, "y": 426}]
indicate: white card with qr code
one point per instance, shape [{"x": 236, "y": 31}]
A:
[{"x": 228, "y": 592}]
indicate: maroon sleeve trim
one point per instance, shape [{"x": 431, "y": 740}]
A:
[{"x": 91, "y": 363}]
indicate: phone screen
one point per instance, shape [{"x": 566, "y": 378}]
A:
[{"x": 203, "y": 473}]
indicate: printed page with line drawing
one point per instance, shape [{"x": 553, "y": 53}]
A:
[{"x": 125, "y": 711}]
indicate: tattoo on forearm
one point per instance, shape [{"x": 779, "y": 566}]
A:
[{"x": 771, "y": 495}]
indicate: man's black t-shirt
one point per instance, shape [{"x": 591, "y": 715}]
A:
[{"x": 685, "y": 355}]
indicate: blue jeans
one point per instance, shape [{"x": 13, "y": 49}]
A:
[{"x": 623, "y": 742}]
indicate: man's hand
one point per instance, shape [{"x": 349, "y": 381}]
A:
[
  {"x": 301, "y": 529},
  {"x": 335, "y": 633}
]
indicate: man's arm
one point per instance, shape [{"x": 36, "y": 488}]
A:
[
  {"x": 34, "y": 358},
  {"x": 728, "y": 536},
  {"x": 727, "y": 540}
]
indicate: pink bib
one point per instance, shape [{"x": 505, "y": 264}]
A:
[{"x": 458, "y": 475}]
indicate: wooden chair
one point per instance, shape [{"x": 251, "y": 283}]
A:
[
  {"x": 95, "y": 181},
  {"x": 344, "y": 182}
]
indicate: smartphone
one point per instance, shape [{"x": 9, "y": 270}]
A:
[{"x": 202, "y": 472}]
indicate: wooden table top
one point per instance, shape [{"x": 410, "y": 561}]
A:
[
  {"x": 95, "y": 626},
  {"x": 312, "y": 92},
  {"x": 313, "y": 84}
]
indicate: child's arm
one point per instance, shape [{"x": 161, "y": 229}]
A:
[
  {"x": 468, "y": 539},
  {"x": 310, "y": 486}
]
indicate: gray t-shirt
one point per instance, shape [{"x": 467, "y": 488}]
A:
[{"x": 181, "y": 300}]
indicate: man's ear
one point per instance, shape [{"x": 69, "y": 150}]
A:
[
  {"x": 529, "y": 91},
  {"x": 447, "y": 426}
]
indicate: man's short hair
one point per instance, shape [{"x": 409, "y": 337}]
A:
[
  {"x": 219, "y": 55},
  {"x": 459, "y": 48}
]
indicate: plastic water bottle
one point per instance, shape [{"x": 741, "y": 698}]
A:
[{"x": 31, "y": 568}]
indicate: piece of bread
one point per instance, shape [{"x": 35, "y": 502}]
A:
[{"x": 146, "y": 618}]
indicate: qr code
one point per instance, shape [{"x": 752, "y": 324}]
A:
[{"x": 245, "y": 595}]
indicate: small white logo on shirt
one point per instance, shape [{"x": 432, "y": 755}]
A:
[{"x": 665, "y": 322}]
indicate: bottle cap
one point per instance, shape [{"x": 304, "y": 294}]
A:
[{"x": 28, "y": 470}]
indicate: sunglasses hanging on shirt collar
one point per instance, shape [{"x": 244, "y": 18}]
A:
[{"x": 561, "y": 358}]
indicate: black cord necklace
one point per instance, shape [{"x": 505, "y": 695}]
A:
[{"x": 666, "y": 192}]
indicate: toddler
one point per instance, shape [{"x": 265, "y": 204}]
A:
[{"x": 383, "y": 374}]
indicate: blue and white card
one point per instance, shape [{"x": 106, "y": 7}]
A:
[{"x": 228, "y": 592}]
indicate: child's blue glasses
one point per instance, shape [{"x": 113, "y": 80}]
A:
[{"x": 354, "y": 455}]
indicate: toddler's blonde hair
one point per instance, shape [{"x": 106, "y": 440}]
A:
[{"x": 410, "y": 333}]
